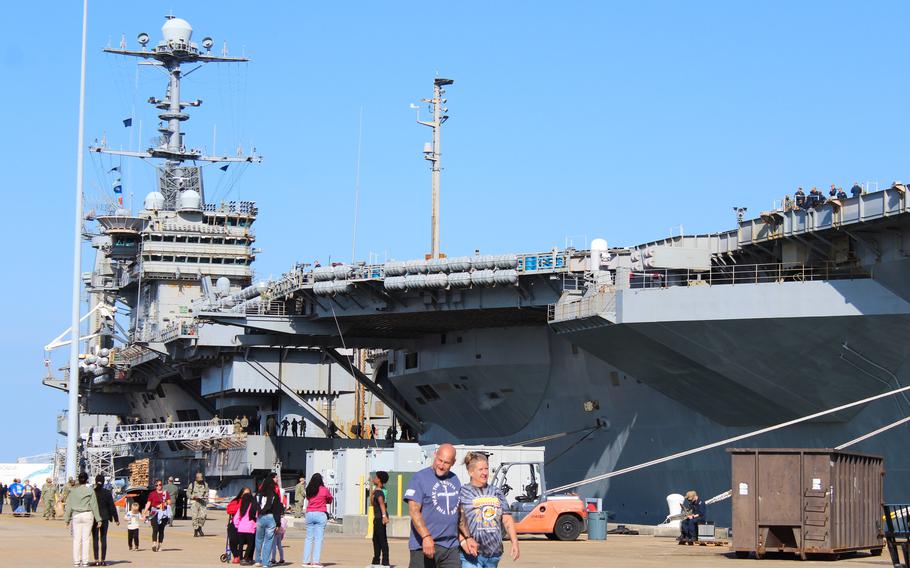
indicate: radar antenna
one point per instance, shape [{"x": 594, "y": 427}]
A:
[
  {"x": 174, "y": 50},
  {"x": 431, "y": 152}
]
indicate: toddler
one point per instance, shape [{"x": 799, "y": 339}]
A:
[
  {"x": 133, "y": 517},
  {"x": 278, "y": 550}
]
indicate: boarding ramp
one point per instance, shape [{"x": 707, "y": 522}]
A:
[{"x": 190, "y": 431}]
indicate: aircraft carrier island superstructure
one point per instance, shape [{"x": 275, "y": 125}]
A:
[
  {"x": 610, "y": 356},
  {"x": 161, "y": 389}
]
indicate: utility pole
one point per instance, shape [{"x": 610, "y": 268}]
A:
[{"x": 431, "y": 152}]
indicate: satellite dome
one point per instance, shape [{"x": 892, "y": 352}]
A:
[
  {"x": 177, "y": 30},
  {"x": 223, "y": 285},
  {"x": 189, "y": 200},
  {"x": 154, "y": 201}
]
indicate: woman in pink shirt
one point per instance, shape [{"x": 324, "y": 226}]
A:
[
  {"x": 317, "y": 497},
  {"x": 245, "y": 523}
]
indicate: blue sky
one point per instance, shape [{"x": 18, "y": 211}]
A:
[{"x": 569, "y": 120}]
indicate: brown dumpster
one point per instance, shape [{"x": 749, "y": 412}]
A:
[{"x": 806, "y": 501}]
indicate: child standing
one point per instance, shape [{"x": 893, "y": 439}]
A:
[
  {"x": 133, "y": 518},
  {"x": 245, "y": 522},
  {"x": 278, "y": 550},
  {"x": 380, "y": 519}
]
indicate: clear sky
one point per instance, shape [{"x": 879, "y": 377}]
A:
[{"x": 569, "y": 121}]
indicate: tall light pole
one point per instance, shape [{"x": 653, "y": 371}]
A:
[
  {"x": 72, "y": 423},
  {"x": 432, "y": 153}
]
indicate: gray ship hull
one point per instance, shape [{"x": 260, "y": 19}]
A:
[{"x": 515, "y": 384}]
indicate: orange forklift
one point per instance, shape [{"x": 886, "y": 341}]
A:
[{"x": 559, "y": 517}]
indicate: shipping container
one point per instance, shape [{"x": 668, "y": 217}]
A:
[
  {"x": 346, "y": 472},
  {"x": 806, "y": 501}
]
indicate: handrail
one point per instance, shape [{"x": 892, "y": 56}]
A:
[
  {"x": 604, "y": 301},
  {"x": 743, "y": 274},
  {"x": 162, "y": 431}
]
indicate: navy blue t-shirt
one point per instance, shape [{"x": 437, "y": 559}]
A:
[{"x": 438, "y": 498}]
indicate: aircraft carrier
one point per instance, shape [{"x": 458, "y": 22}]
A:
[
  {"x": 609, "y": 356},
  {"x": 615, "y": 356}
]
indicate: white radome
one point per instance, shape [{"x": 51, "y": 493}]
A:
[
  {"x": 154, "y": 201},
  {"x": 189, "y": 199},
  {"x": 177, "y": 30}
]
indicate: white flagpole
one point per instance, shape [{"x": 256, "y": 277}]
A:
[{"x": 72, "y": 424}]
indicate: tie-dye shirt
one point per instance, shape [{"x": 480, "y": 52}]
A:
[{"x": 483, "y": 509}]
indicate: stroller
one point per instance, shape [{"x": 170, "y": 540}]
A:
[
  {"x": 231, "y": 509},
  {"x": 226, "y": 556}
]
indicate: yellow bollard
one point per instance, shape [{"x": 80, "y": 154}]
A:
[
  {"x": 360, "y": 497},
  {"x": 400, "y": 494},
  {"x": 370, "y": 521}
]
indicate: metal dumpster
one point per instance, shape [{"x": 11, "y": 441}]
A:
[{"x": 806, "y": 501}]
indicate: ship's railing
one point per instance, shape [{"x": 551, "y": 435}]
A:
[
  {"x": 743, "y": 274},
  {"x": 169, "y": 333},
  {"x": 602, "y": 302},
  {"x": 832, "y": 214},
  {"x": 270, "y": 308},
  {"x": 162, "y": 432}
]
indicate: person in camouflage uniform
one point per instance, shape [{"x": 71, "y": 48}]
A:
[
  {"x": 300, "y": 496},
  {"x": 66, "y": 489},
  {"x": 49, "y": 495},
  {"x": 198, "y": 495}
]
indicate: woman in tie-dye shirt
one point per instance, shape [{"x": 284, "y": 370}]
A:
[{"x": 483, "y": 512}]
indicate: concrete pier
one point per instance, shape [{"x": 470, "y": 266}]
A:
[{"x": 26, "y": 542}]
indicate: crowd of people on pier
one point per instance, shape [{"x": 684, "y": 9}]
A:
[
  {"x": 25, "y": 498},
  {"x": 453, "y": 524}
]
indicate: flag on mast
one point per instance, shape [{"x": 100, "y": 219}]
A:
[{"x": 118, "y": 190}]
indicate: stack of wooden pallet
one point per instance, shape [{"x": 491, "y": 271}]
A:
[{"x": 139, "y": 473}]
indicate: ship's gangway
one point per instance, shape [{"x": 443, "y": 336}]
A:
[
  {"x": 190, "y": 431},
  {"x": 102, "y": 447}
]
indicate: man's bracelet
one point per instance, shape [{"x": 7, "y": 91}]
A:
[{"x": 426, "y": 536}]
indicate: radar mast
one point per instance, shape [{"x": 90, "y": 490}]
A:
[
  {"x": 174, "y": 50},
  {"x": 431, "y": 152}
]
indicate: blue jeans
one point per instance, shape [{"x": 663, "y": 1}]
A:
[
  {"x": 265, "y": 538},
  {"x": 479, "y": 561},
  {"x": 315, "y": 528}
]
